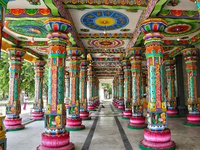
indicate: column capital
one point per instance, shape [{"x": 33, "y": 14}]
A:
[
  {"x": 134, "y": 51},
  {"x": 39, "y": 62},
  {"x": 84, "y": 62},
  {"x": 16, "y": 52},
  {"x": 190, "y": 53},
  {"x": 74, "y": 53}
]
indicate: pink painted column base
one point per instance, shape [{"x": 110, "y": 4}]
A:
[
  {"x": 122, "y": 107},
  {"x": 157, "y": 140},
  {"x": 74, "y": 124},
  {"x": 57, "y": 142},
  {"x": 13, "y": 124},
  {"x": 85, "y": 115},
  {"x": 127, "y": 113},
  {"x": 137, "y": 123},
  {"x": 172, "y": 112},
  {"x": 91, "y": 107},
  {"x": 193, "y": 120},
  {"x": 37, "y": 115}
]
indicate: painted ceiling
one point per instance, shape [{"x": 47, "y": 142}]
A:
[{"x": 104, "y": 28}]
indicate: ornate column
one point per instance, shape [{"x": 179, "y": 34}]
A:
[
  {"x": 113, "y": 101},
  {"x": 84, "y": 114},
  {"x": 117, "y": 91},
  {"x": 137, "y": 121},
  {"x": 172, "y": 111},
  {"x": 128, "y": 102},
  {"x": 156, "y": 135},
  {"x": 144, "y": 83},
  {"x": 37, "y": 113},
  {"x": 91, "y": 89},
  {"x": 121, "y": 89},
  {"x": 55, "y": 135},
  {"x": 67, "y": 87},
  {"x": 13, "y": 108},
  {"x": 74, "y": 122},
  {"x": 191, "y": 57}
]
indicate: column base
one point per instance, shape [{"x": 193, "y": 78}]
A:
[
  {"x": 66, "y": 105},
  {"x": 37, "y": 116},
  {"x": 74, "y": 128},
  {"x": 137, "y": 123},
  {"x": 91, "y": 108},
  {"x": 192, "y": 123},
  {"x": 13, "y": 124},
  {"x": 74, "y": 124},
  {"x": 172, "y": 113},
  {"x": 157, "y": 140},
  {"x": 85, "y": 115},
  {"x": 58, "y": 142},
  {"x": 127, "y": 115}
]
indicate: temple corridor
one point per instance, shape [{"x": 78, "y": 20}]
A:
[{"x": 105, "y": 133}]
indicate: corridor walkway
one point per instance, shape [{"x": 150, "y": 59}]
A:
[{"x": 106, "y": 131}]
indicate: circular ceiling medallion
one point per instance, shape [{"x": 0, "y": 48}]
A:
[
  {"x": 29, "y": 28},
  {"x": 179, "y": 29},
  {"x": 104, "y": 20},
  {"x": 106, "y": 43}
]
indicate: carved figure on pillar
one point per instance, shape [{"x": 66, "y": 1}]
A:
[
  {"x": 137, "y": 121},
  {"x": 55, "y": 135},
  {"x": 37, "y": 113},
  {"x": 13, "y": 108},
  {"x": 156, "y": 135},
  {"x": 121, "y": 89},
  {"x": 172, "y": 111},
  {"x": 91, "y": 88},
  {"x": 67, "y": 87},
  {"x": 74, "y": 122},
  {"x": 84, "y": 114},
  {"x": 128, "y": 101},
  {"x": 191, "y": 57}
]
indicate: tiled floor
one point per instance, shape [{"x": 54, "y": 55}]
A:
[{"x": 106, "y": 134}]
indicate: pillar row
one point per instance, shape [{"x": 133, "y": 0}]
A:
[
  {"x": 84, "y": 114},
  {"x": 137, "y": 121},
  {"x": 127, "y": 97},
  {"x": 172, "y": 110},
  {"x": 13, "y": 108},
  {"x": 191, "y": 57},
  {"x": 74, "y": 122},
  {"x": 37, "y": 113},
  {"x": 67, "y": 87}
]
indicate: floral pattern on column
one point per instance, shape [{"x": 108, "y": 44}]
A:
[
  {"x": 156, "y": 135},
  {"x": 55, "y": 135},
  {"x": 191, "y": 57},
  {"x": 74, "y": 122},
  {"x": 91, "y": 89},
  {"x": 37, "y": 112},
  {"x": 127, "y": 97},
  {"x": 84, "y": 114},
  {"x": 170, "y": 99},
  {"x": 121, "y": 88},
  {"x": 13, "y": 108},
  {"x": 67, "y": 87}
]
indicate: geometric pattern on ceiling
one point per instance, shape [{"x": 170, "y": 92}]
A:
[
  {"x": 104, "y": 20},
  {"x": 180, "y": 28},
  {"x": 27, "y": 28},
  {"x": 106, "y": 43}
]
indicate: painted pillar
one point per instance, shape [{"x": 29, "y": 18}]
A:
[
  {"x": 55, "y": 135},
  {"x": 197, "y": 2},
  {"x": 117, "y": 90},
  {"x": 156, "y": 135},
  {"x": 91, "y": 89},
  {"x": 37, "y": 112},
  {"x": 74, "y": 122},
  {"x": 172, "y": 111},
  {"x": 127, "y": 77},
  {"x": 121, "y": 89},
  {"x": 113, "y": 86},
  {"x": 137, "y": 121},
  {"x": 144, "y": 83},
  {"x": 84, "y": 114},
  {"x": 191, "y": 57},
  {"x": 67, "y": 87},
  {"x": 13, "y": 108}
]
